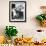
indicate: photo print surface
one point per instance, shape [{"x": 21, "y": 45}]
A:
[{"x": 17, "y": 11}]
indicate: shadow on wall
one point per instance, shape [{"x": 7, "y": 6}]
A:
[{"x": 34, "y": 22}]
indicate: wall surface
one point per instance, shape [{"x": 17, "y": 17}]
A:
[{"x": 26, "y": 28}]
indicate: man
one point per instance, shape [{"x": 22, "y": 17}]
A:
[{"x": 16, "y": 12}]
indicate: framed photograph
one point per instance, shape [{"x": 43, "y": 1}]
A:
[{"x": 17, "y": 11}]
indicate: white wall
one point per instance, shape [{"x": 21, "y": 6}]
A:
[{"x": 25, "y": 28}]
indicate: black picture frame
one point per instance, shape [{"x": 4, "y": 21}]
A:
[{"x": 19, "y": 13}]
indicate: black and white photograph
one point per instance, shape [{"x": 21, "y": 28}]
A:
[{"x": 17, "y": 11}]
